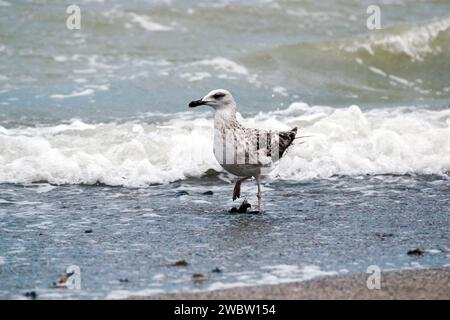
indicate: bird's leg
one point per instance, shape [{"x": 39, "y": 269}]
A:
[
  {"x": 259, "y": 196},
  {"x": 237, "y": 188}
]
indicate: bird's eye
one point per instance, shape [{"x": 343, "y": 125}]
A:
[{"x": 219, "y": 95}]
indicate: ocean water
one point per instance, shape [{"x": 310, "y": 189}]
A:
[{"x": 95, "y": 134}]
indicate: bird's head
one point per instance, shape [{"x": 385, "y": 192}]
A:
[{"x": 218, "y": 99}]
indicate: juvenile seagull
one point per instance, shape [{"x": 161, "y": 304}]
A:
[{"x": 244, "y": 152}]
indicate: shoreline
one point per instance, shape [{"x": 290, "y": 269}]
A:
[{"x": 403, "y": 285}]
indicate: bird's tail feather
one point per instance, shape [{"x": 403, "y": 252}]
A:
[{"x": 286, "y": 139}]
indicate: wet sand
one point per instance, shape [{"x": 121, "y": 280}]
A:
[{"x": 407, "y": 284}]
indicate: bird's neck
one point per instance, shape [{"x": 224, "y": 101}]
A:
[{"x": 225, "y": 119}]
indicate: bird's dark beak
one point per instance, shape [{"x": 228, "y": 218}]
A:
[{"x": 197, "y": 103}]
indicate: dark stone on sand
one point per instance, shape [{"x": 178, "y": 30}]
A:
[
  {"x": 383, "y": 235},
  {"x": 216, "y": 270},
  {"x": 180, "y": 263},
  {"x": 208, "y": 193},
  {"x": 88, "y": 231},
  {"x": 416, "y": 252},
  {"x": 200, "y": 276},
  {"x": 181, "y": 193},
  {"x": 31, "y": 294}
]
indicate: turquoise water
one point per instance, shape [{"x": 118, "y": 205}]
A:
[{"x": 131, "y": 57}]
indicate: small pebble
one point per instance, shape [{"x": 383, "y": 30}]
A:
[
  {"x": 416, "y": 252},
  {"x": 31, "y": 294},
  {"x": 383, "y": 235},
  {"x": 181, "y": 193},
  {"x": 199, "y": 276},
  {"x": 181, "y": 263}
]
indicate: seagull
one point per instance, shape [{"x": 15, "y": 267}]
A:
[{"x": 244, "y": 152}]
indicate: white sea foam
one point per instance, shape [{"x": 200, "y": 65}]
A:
[
  {"x": 280, "y": 90},
  {"x": 378, "y": 71},
  {"x": 127, "y": 154},
  {"x": 223, "y": 64},
  {"x": 196, "y": 76},
  {"x": 380, "y": 141},
  {"x": 223, "y": 68},
  {"x": 345, "y": 141},
  {"x": 270, "y": 275},
  {"x": 43, "y": 188},
  {"x": 145, "y": 23},
  {"x": 74, "y": 94}
]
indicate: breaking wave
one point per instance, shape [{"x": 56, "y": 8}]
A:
[
  {"x": 415, "y": 42},
  {"x": 400, "y": 65},
  {"x": 345, "y": 141}
]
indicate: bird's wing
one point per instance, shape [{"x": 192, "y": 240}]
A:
[{"x": 264, "y": 140}]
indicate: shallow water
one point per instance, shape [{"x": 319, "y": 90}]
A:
[
  {"x": 310, "y": 228},
  {"x": 95, "y": 134}
]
